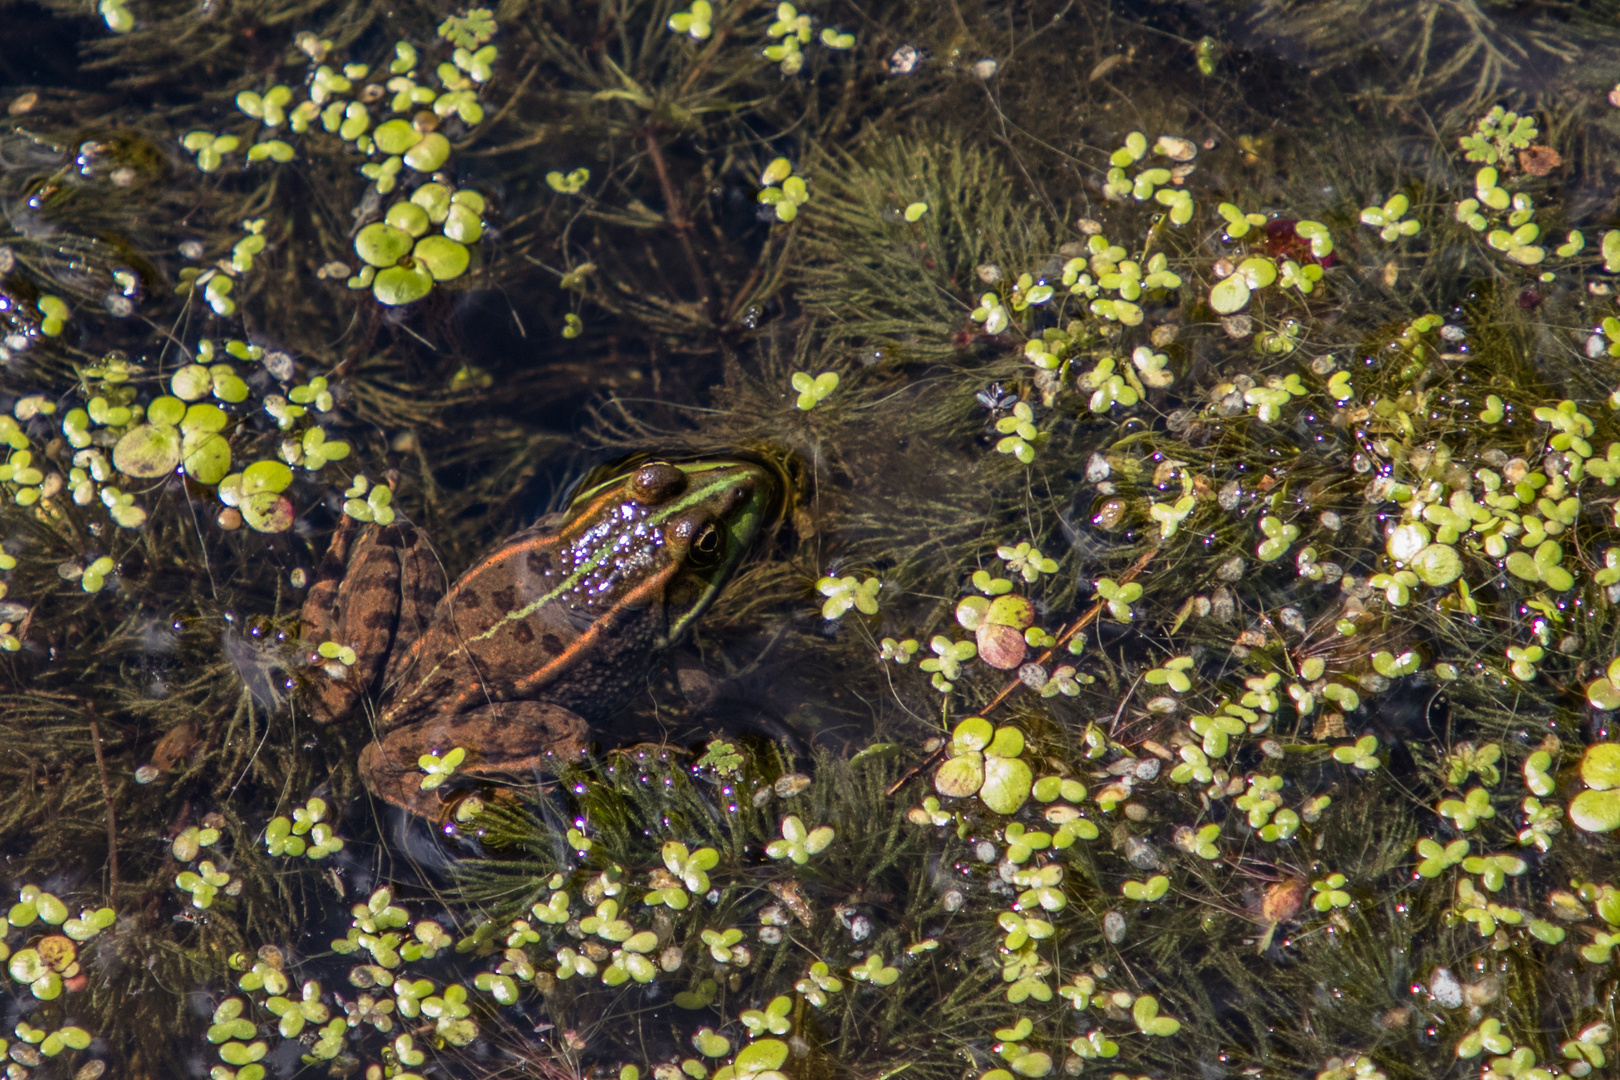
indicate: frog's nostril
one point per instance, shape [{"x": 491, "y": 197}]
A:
[{"x": 657, "y": 481}]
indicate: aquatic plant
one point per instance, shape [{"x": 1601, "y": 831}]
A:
[{"x": 1258, "y": 566}]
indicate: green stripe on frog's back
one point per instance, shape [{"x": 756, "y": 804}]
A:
[{"x": 587, "y": 514}]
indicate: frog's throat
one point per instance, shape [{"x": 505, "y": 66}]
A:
[{"x": 743, "y": 522}]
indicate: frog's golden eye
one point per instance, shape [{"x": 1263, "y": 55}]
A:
[{"x": 706, "y": 547}]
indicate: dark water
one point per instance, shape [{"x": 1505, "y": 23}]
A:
[{"x": 1172, "y": 637}]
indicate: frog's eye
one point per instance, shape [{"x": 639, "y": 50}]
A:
[{"x": 706, "y": 547}]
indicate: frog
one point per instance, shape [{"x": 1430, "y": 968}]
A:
[{"x": 532, "y": 650}]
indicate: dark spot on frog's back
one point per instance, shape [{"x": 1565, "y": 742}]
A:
[
  {"x": 396, "y": 536},
  {"x": 552, "y": 645},
  {"x": 467, "y": 598},
  {"x": 521, "y": 633},
  {"x": 504, "y": 598},
  {"x": 380, "y": 619},
  {"x": 537, "y": 562}
]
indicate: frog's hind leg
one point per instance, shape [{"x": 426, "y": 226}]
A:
[
  {"x": 508, "y": 738},
  {"x": 320, "y": 614},
  {"x": 362, "y": 595},
  {"x": 422, "y": 584},
  {"x": 323, "y": 618}
]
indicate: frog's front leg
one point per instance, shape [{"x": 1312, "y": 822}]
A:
[
  {"x": 374, "y": 592},
  {"x": 514, "y": 738}
]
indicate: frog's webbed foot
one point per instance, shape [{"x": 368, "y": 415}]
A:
[{"x": 513, "y": 738}]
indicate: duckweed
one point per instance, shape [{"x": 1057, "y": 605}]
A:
[
  {"x": 985, "y": 761},
  {"x": 365, "y": 501},
  {"x": 1391, "y": 220},
  {"x": 780, "y": 188},
  {"x": 813, "y": 389},
  {"x": 845, "y": 593},
  {"x": 437, "y": 769},
  {"x": 799, "y": 843},
  {"x": 1326, "y": 568},
  {"x": 697, "y": 21},
  {"x": 211, "y": 149},
  {"x": 117, "y": 16},
  {"x": 790, "y": 30}
]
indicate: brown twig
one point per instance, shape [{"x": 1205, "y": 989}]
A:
[
  {"x": 703, "y": 61},
  {"x": 112, "y": 822},
  {"x": 682, "y": 227},
  {"x": 905, "y": 778}
]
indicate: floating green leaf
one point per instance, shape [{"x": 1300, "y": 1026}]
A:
[{"x": 399, "y": 285}]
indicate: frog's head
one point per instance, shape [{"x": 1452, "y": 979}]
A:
[{"x": 693, "y": 521}]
